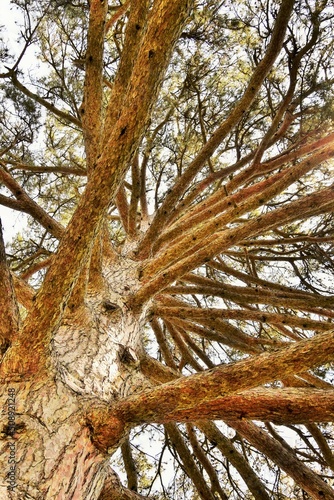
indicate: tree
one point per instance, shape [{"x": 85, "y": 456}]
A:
[{"x": 174, "y": 284}]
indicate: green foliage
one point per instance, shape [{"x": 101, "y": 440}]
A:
[{"x": 43, "y": 148}]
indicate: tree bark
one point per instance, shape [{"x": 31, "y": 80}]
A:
[
  {"x": 46, "y": 451},
  {"x": 176, "y": 398},
  {"x": 9, "y": 313}
]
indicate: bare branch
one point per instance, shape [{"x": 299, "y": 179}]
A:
[
  {"x": 29, "y": 206},
  {"x": 188, "y": 462},
  {"x": 46, "y": 169},
  {"x": 119, "y": 13},
  {"x": 285, "y": 459},
  {"x": 46, "y": 104},
  {"x": 238, "y": 461},
  {"x": 205, "y": 462},
  {"x": 130, "y": 465}
]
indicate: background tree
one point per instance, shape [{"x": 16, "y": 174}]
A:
[{"x": 170, "y": 300}]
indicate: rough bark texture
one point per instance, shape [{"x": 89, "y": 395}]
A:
[
  {"x": 226, "y": 275},
  {"x": 98, "y": 346},
  {"x": 46, "y": 440},
  {"x": 9, "y": 314}
]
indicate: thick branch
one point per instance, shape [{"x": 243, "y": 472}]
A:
[
  {"x": 160, "y": 373},
  {"x": 255, "y": 82},
  {"x": 215, "y": 203},
  {"x": 232, "y": 207},
  {"x": 187, "y": 393},
  {"x": 314, "y": 204},
  {"x": 193, "y": 313},
  {"x": 280, "y": 406},
  {"x": 133, "y": 36},
  {"x": 24, "y": 292},
  {"x": 165, "y": 23},
  {"x": 248, "y": 295},
  {"x": 135, "y": 196},
  {"x": 92, "y": 101},
  {"x": 123, "y": 207}
]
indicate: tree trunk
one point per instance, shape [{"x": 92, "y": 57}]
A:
[
  {"x": 98, "y": 346},
  {"x": 46, "y": 444},
  {"x": 75, "y": 368},
  {"x": 46, "y": 451}
]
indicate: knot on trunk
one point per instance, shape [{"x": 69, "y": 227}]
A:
[{"x": 106, "y": 430}]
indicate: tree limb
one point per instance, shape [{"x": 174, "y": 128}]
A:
[
  {"x": 255, "y": 82},
  {"x": 91, "y": 107},
  {"x": 186, "y": 393},
  {"x": 285, "y": 459},
  {"x": 165, "y": 23},
  {"x": 114, "y": 490},
  {"x": 238, "y": 461},
  {"x": 313, "y": 204},
  {"x": 46, "y": 104},
  {"x": 30, "y": 207}
]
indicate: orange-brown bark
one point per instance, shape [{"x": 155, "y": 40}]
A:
[
  {"x": 79, "y": 363},
  {"x": 204, "y": 221},
  {"x": 9, "y": 313},
  {"x": 310, "y": 205},
  {"x": 187, "y": 393},
  {"x": 280, "y": 406},
  {"x": 91, "y": 107},
  {"x": 163, "y": 28},
  {"x": 239, "y": 109}
]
